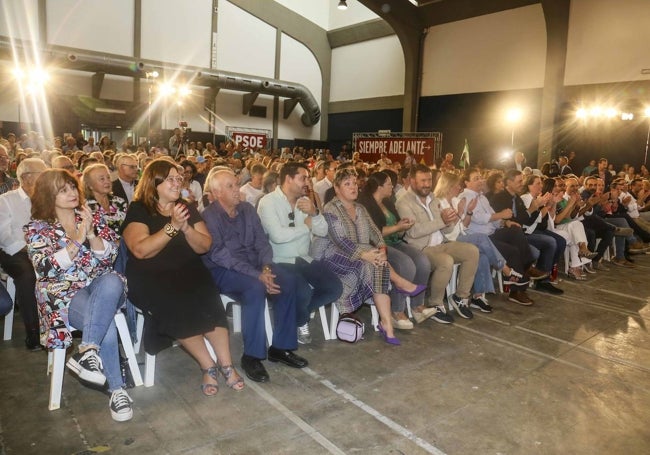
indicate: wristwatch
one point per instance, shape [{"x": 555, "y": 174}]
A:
[
  {"x": 170, "y": 230},
  {"x": 470, "y": 213}
]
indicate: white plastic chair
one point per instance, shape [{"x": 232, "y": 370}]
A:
[
  {"x": 9, "y": 318},
  {"x": 56, "y": 363}
]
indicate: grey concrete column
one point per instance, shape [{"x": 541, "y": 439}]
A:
[{"x": 556, "y": 15}]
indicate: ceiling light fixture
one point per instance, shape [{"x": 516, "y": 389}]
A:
[{"x": 342, "y": 5}]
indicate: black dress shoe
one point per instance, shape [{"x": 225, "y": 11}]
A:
[
  {"x": 287, "y": 357},
  {"x": 547, "y": 287},
  {"x": 254, "y": 369}
]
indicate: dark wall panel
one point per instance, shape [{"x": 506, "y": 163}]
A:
[
  {"x": 480, "y": 118},
  {"x": 341, "y": 126}
]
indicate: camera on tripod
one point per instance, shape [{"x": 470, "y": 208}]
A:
[{"x": 185, "y": 131}]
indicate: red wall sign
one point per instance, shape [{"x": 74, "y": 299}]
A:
[
  {"x": 252, "y": 140},
  {"x": 395, "y": 148}
]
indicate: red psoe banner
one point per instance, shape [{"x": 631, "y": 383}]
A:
[{"x": 249, "y": 140}]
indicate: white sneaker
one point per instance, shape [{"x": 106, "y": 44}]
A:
[
  {"x": 88, "y": 366},
  {"x": 120, "y": 405},
  {"x": 304, "y": 336}
]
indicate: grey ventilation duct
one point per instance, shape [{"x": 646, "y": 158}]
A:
[
  {"x": 252, "y": 84},
  {"x": 296, "y": 93}
]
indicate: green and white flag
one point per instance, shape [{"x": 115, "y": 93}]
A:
[{"x": 464, "y": 157}]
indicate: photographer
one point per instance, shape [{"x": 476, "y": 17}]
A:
[{"x": 176, "y": 142}]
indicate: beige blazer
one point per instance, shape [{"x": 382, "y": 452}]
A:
[{"x": 418, "y": 235}]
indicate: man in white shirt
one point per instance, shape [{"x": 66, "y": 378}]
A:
[
  {"x": 91, "y": 146},
  {"x": 252, "y": 191},
  {"x": 325, "y": 184},
  {"x": 15, "y": 212},
  {"x": 289, "y": 218}
]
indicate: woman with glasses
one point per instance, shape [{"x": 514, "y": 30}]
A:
[
  {"x": 167, "y": 279},
  {"x": 98, "y": 190},
  {"x": 356, "y": 252}
]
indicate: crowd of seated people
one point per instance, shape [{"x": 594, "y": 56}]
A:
[{"x": 295, "y": 228}]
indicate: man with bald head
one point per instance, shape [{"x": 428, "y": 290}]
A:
[
  {"x": 240, "y": 260},
  {"x": 15, "y": 212}
]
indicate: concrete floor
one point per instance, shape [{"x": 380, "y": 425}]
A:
[{"x": 567, "y": 375}]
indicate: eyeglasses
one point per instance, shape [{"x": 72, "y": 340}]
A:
[
  {"x": 133, "y": 167},
  {"x": 172, "y": 180},
  {"x": 292, "y": 218}
]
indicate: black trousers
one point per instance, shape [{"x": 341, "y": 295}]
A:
[
  {"x": 513, "y": 245},
  {"x": 19, "y": 267},
  {"x": 596, "y": 227}
]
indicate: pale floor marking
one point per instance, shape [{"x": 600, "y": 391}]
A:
[
  {"x": 304, "y": 426},
  {"x": 534, "y": 352},
  {"x": 600, "y": 305},
  {"x": 429, "y": 448},
  {"x": 620, "y": 294}
]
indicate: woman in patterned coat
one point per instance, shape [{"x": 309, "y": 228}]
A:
[
  {"x": 355, "y": 251},
  {"x": 72, "y": 251}
]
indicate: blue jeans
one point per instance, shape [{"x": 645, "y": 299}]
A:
[
  {"x": 316, "y": 287},
  {"x": 547, "y": 246},
  {"x": 618, "y": 239},
  {"x": 412, "y": 264},
  {"x": 92, "y": 310},
  {"x": 251, "y": 293},
  {"x": 489, "y": 257}
]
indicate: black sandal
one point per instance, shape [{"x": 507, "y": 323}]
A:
[
  {"x": 227, "y": 372},
  {"x": 206, "y": 386}
]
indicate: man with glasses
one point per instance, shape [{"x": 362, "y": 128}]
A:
[
  {"x": 15, "y": 212},
  {"x": 240, "y": 260},
  {"x": 6, "y": 182},
  {"x": 289, "y": 217},
  {"x": 127, "y": 174}
]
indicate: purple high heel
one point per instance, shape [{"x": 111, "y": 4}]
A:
[
  {"x": 419, "y": 289},
  {"x": 387, "y": 339}
]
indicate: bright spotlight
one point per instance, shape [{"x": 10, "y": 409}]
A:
[
  {"x": 596, "y": 111},
  {"x": 19, "y": 74},
  {"x": 647, "y": 112},
  {"x": 581, "y": 113},
  {"x": 506, "y": 155},
  {"x": 514, "y": 115},
  {"x": 627, "y": 116},
  {"x": 167, "y": 89},
  {"x": 184, "y": 91},
  {"x": 38, "y": 76},
  {"x": 610, "y": 112}
]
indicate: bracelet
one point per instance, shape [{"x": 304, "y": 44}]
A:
[
  {"x": 170, "y": 230},
  {"x": 469, "y": 213},
  {"x": 267, "y": 269},
  {"x": 77, "y": 244}
]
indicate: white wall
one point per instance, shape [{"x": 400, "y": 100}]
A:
[
  {"x": 316, "y": 11},
  {"x": 500, "y": 51},
  {"x": 178, "y": 32},
  {"x": 608, "y": 41},
  {"x": 245, "y": 44},
  {"x": 367, "y": 70},
  {"x": 19, "y": 19},
  {"x": 355, "y": 14},
  {"x": 298, "y": 64},
  {"x": 97, "y": 25}
]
